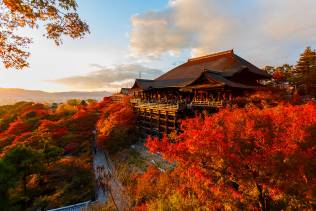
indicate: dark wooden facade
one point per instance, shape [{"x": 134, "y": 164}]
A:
[{"x": 205, "y": 82}]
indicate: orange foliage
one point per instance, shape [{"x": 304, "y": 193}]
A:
[
  {"x": 52, "y": 135},
  {"x": 55, "y": 128},
  {"x": 116, "y": 116},
  {"x": 83, "y": 122},
  {"x": 278, "y": 75},
  {"x": 17, "y": 127},
  {"x": 244, "y": 158},
  {"x": 21, "y": 138}
]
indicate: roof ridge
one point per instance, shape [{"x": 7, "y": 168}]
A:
[
  {"x": 212, "y": 55},
  {"x": 212, "y": 71},
  {"x": 143, "y": 79}
]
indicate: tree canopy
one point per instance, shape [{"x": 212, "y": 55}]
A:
[
  {"x": 45, "y": 155},
  {"x": 241, "y": 159},
  {"x": 58, "y": 17},
  {"x": 306, "y": 70}
]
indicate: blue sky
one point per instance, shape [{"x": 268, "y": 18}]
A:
[{"x": 132, "y": 36}]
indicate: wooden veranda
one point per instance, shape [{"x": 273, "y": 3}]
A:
[{"x": 208, "y": 82}]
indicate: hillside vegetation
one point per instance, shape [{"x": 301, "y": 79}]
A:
[
  {"x": 260, "y": 157},
  {"x": 46, "y": 154},
  {"x": 240, "y": 159},
  {"x": 252, "y": 158}
]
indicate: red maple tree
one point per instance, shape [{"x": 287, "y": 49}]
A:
[{"x": 245, "y": 158}]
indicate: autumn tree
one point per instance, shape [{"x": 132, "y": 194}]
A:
[
  {"x": 59, "y": 17},
  {"x": 306, "y": 70},
  {"x": 36, "y": 171},
  {"x": 281, "y": 74},
  {"x": 73, "y": 102},
  {"x": 242, "y": 159},
  {"x": 116, "y": 127},
  {"x": 51, "y": 153}
]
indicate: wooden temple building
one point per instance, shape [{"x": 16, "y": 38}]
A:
[{"x": 206, "y": 82}]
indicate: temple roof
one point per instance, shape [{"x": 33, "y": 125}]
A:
[
  {"x": 220, "y": 81},
  {"x": 226, "y": 62},
  {"x": 158, "y": 84},
  {"x": 220, "y": 66}
]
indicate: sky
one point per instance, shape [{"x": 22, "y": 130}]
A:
[{"x": 132, "y": 38}]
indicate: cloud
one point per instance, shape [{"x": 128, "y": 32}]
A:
[
  {"x": 109, "y": 77},
  {"x": 267, "y": 31}
]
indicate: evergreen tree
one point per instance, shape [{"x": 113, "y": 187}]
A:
[
  {"x": 27, "y": 162},
  {"x": 306, "y": 70},
  {"x": 7, "y": 181}
]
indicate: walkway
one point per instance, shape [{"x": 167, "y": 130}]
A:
[
  {"x": 108, "y": 187},
  {"x": 99, "y": 162}
]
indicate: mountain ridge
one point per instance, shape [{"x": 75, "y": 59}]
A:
[{"x": 13, "y": 95}]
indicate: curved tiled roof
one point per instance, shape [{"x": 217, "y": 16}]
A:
[
  {"x": 218, "y": 80},
  {"x": 225, "y": 62},
  {"x": 158, "y": 84},
  {"x": 221, "y": 66}
]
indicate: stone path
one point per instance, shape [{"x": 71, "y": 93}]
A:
[
  {"x": 108, "y": 187},
  {"x": 99, "y": 162}
]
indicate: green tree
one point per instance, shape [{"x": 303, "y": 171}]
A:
[
  {"x": 59, "y": 17},
  {"x": 7, "y": 181},
  {"x": 52, "y": 153},
  {"x": 83, "y": 103},
  {"x": 306, "y": 70},
  {"x": 54, "y": 106},
  {"x": 73, "y": 102},
  {"x": 281, "y": 74},
  {"x": 27, "y": 162}
]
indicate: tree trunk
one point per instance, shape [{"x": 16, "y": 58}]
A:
[
  {"x": 264, "y": 202},
  {"x": 25, "y": 192},
  {"x": 24, "y": 184}
]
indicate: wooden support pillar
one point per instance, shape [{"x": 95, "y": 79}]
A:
[
  {"x": 175, "y": 121},
  {"x": 166, "y": 123},
  {"x": 158, "y": 121},
  {"x": 151, "y": 119}
]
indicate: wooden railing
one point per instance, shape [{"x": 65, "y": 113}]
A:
[
  {"x": 74, "y": 207},
  {"x": 207, "y": 103},
  {"x": 158, "y": 106},
  {"x": 135, "y": 100},
  {"x": 138, "y": 103}
]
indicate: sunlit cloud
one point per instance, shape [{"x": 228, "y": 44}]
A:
[
  {"x": 109, "y": 77},
  {"x": 266, "y": 31}
]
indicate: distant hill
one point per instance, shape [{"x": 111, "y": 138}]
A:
[{"x": 13, "y": 95}]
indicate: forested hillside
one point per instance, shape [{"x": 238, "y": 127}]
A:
[
  {"x": 260, "y": 157},
  {"x": 257, "y": 157},
  {"x": 240, "y": 159},
  {"x": 11, "y": 96},
  {"x": 46, "y": 154}
]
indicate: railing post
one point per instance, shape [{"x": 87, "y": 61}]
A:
[
  {"x": 158, "y": 121},
  {"x": 166, "y": 123}
]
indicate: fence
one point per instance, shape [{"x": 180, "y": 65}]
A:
[{"x": 74, "y": 207}]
